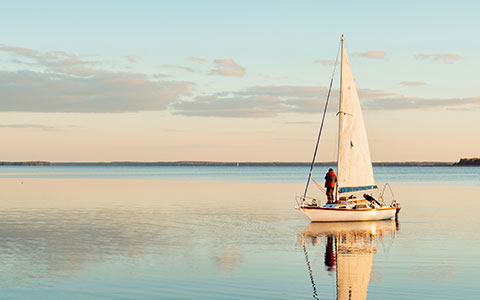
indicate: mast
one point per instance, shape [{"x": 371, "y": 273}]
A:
[{"x": 342, "y": 40}]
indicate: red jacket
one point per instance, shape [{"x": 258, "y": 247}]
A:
[{"x": 330, "y": 179}]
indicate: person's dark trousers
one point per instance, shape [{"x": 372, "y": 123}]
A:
[{"x": 330, "y": 194}]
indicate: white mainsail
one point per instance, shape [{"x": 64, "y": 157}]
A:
[{"x": 355, "y": 170}]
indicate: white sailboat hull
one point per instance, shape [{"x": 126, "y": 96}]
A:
[{"x": 325, "y": 214}]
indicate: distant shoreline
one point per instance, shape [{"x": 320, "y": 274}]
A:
[{"x": 226, "y": 164}]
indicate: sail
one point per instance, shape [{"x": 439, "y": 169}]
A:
[{"x": 355, "y": 170}]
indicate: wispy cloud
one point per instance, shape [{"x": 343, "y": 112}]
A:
[
  {"x": 39, "y": 126},
  {"x": 374, "y": 54},
  {"x": 447, "y": 58},
  {"x": 325, "y": 62},
  {"x": 131, "y": 59},
  {"x": 188, "y": 69},
  {"x": 36, "y": 126},
  {"x": 160, "y": 75},
  {"x": 54, "y": 61},
  {"x": 227, "y": 67},
  {"x": 302, "y": 122},
  {"x": 403, "y": 103},
  {"x": 253, "y": 102},
  {"x": 269, "y": 101},
  {"x": 227, "y": 106},
  {"x": 64, "y": 82},
  {"x": 105, "y": 92},
  {"x": 412, "y": 83},
  {"x": 196, "y": 59},
  {"x": 263, "y": 101}
]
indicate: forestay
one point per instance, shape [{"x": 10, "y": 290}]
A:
[{"x": 355, "y": 170}]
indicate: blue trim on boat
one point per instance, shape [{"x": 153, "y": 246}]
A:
[{"x": 357, "y": 188}]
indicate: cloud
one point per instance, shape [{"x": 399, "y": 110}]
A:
[
  {"x": 54, "y": 61},
  {"x": 239, "y": 106},
  {"x": 302, "y": 122},
  {"x": 131, "y": 59},
  {"x": 404, "y": 103},
  {"x": 269, "y": 101},
  {"x": 412, "y": 83},
  {"x": 447, "y": 58},
  {"x": 39, "y": 126},
  {"x": 253, "y": 102},
  {"x": 36, "y": 126},
  {"x": 374, "y": 54},
  {"x": 325, "y": 62},
  {"x": 28, "y": 91},
  {"x": 285, "y": 91},
  {"x": 227, "y": 67},
  {"x": 160, "y": 75},
  {"x": 196, "y": 59},
  {"x": 373, "y": 94},
  {"x": 263, "y": 101},
  {"x": 188, "y": 69},
  {"x": 63, "y": 82}
]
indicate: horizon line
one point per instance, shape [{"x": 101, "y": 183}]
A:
[{"x": 216, "y": 163}]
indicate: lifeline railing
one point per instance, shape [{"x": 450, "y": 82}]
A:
[
  {"x": 394, "y": 201},
  {"x": 303, "y": 200}
]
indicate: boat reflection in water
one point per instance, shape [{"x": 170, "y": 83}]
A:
[{"x": 349, "y": 250}]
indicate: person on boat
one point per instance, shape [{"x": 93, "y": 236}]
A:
[{"x": 330, "y": 181}]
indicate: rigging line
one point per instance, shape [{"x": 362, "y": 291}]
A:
[
  {"x": 310, "y": 272},
  {"x": 321, "y": 125},
  {"x": 319, "y": 186},
  {"x": 336, "y": 268}
]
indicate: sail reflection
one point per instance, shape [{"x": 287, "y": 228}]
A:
[{"x": 349, "y": 251}]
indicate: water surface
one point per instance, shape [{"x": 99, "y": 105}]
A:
[
  {"x": 226, "y": 234},
  {"x": 459, "y": 176}
]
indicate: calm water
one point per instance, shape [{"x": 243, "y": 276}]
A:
[
  {"x": 230, "y": 233},
  {"x": 463, "y": 176}
]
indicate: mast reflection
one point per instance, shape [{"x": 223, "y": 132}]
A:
[{"x": 349, "y": 251}]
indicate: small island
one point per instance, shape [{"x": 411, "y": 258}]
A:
[{"x": 475, "y": 161}]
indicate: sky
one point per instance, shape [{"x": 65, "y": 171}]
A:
[{"x": 234, "y": 80}]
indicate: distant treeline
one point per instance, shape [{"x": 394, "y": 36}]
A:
[
  {"x": 256, "y": 164},
  {"x": 462, "y": 162},
  {"x": 468, "y": 162},
  {"x": 25, "y": 163},
  {"x": 186, "y": 163}
]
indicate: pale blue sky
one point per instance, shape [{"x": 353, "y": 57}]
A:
[{"x": 253, "y": 62}]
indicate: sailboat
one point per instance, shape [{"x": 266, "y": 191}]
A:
[
  {"x": 354, "y": 199},
  {"x": 350, "y": 248}
]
